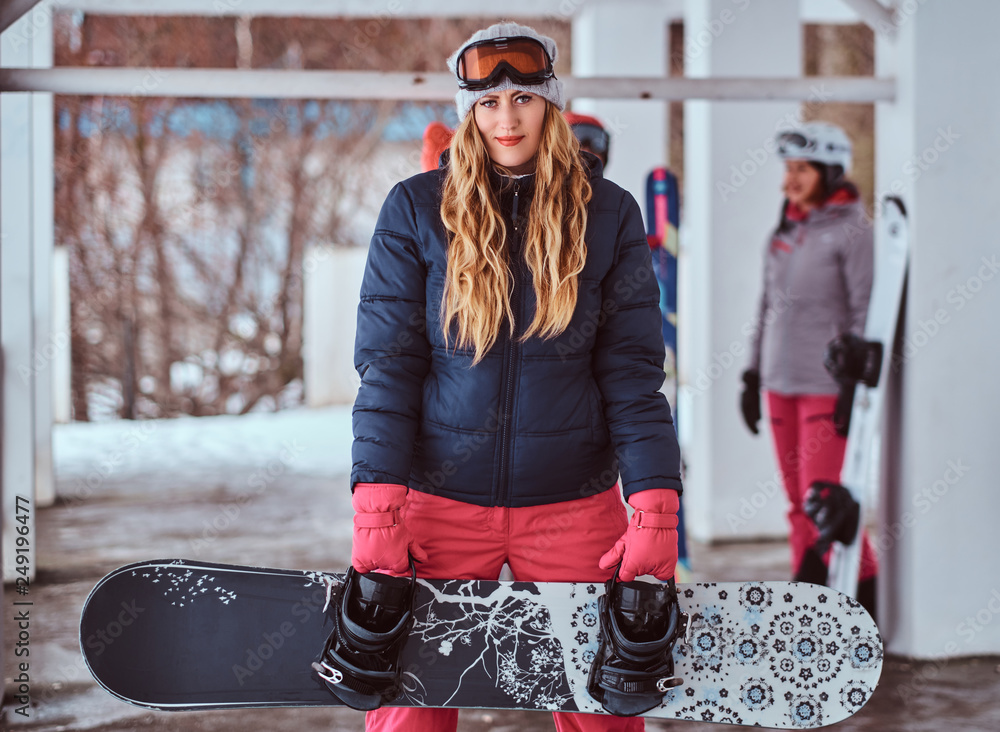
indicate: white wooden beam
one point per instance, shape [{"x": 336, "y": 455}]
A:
[
  {"x": 874, "y": 14},
  {"x": 831, "y": 89},
  {"x": 829, "y": 12},
  {"x": 812, "y": 11},
  {"x": 327, "y": 8},
  {"x": 299, "y": 84},
  {"x": 11, "y": 10}
]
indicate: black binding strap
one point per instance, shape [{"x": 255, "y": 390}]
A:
[
  {"x": 628, "y": 683},
  {"x": 372, "y": 616},
  {"x": 634, "y": 666}
]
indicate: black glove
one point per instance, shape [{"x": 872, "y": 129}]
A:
[
  {"x": 750, "y": 400},
  {"x": 834, "y": 511}
]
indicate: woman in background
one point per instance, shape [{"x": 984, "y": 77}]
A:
[{"x": 818, "y": 269}]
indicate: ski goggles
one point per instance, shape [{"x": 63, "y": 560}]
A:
[
  {"x": 794, "y": 143},
  {"x": 592, "y": 137},
  {"x": 482, "y": 64}
]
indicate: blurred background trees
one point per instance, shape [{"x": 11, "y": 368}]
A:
[{"x": 189, "y": 221}]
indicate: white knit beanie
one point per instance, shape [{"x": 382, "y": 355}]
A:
[{"x": 552, "y": 89}]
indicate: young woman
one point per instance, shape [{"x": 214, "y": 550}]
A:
[
  {"x": 818, "y": 270},
  {"x": 510, "y": 357}
]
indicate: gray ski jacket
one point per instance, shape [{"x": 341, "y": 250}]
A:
[{"x": 818, "y": 271}]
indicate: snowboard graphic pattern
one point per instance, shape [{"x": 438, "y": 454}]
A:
[{"x": 202, "y": 636}]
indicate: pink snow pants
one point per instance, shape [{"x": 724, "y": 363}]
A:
[
  {"x": 559, "y": 542},
  {"x": 809, "y": 449}
]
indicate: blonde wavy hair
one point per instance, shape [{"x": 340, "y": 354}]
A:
[{"x": 479, "y": 278}]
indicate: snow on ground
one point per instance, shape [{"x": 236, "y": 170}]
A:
[{"x": 299, "y": 441}]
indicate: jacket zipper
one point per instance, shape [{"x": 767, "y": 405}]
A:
[{"x": 503, "y": 490}]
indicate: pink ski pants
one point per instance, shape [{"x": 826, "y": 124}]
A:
[
  {"x": 560, "y": 542},
  {"x": 809, "y": 449}
]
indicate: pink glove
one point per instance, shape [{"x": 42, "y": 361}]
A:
[
  {"x": 381, "y": 541},
  {"x": 649, "y": 544}
]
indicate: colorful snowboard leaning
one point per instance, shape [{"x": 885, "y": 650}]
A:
[
  {"x": 201, "y": 636},
  {"x": 663, "y": 217}
]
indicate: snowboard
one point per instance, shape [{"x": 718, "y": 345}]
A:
[
  {"x": 663, "y": 217},
  {"x": 180, "y": 635},
  {"x": 861, "y": 455}
]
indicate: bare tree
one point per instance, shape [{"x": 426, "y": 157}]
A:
[
  {"x": 188, "y": 220},
  {"x": 187, "y": 223},
  {"x": 278, "y": 184}
]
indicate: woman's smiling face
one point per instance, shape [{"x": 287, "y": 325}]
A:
[
  {"x": 801, "y": 184},
  {"x": 510, "y": 122}
]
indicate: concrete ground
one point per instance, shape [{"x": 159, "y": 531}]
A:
[{"x": 304, "y": 521}]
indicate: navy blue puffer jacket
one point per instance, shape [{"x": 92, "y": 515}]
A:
[{"x": 536, "y": 421}]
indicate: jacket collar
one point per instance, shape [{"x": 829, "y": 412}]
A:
[
  {"x": 503, "y": 184},
  {"x": 841, "y": 198}
]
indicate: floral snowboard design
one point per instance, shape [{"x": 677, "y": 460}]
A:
[{"x": 201, "y": 636}]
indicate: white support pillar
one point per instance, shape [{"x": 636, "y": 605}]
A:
[
  {"x": 938, "y": 147},
  {"x": 16, "y": 300},
  {"x": 62, "y": 362},
  {"x": 625, "y": 38},
  {"x": 731, "y": 201},
  {"x": 26, "y": 168},
  {"x": 332, "y": 292},
  {"x": 42, "y": 163}
]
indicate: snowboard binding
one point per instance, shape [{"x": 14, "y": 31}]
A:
[
  {"x": 371, "y": 621},
  {"x": 634, "y": 666},
  {"x": 834, "y": 511}
]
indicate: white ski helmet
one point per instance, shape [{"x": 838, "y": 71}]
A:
[{"x": 818, "y": 142}]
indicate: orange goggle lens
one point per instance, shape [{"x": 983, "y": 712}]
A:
[{"x": 486, "y": 61}]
